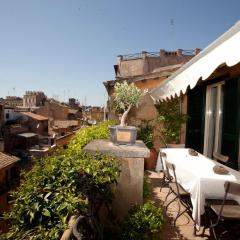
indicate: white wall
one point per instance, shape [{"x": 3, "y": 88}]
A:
[{"x": 11, "y": 113}]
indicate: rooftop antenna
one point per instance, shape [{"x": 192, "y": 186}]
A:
[
  {"x": 68, "y": 95},
  {"x": 172, "y": 32},
  {"x": 64, "y": 95}
]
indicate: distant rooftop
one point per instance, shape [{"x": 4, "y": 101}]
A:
[
  {"x": 34, "y": 93},
  {"x": 139, "y": 64},
  {"x": 162, "y": 52},
  {"x": 35, "y": 116},
  {"x": 13, "y": 98}
]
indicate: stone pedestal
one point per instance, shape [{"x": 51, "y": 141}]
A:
[{"x": 130, "y": 183}]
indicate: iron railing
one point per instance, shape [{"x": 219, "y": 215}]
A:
[{"x": 154, "y": 54}]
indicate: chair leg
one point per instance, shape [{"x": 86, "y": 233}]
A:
[
  {"x": 170, "y": 203},
  {"x": 163, "y": 182},
  {"x": 206, "y": 221},
  {"x": 212, "y": 225},
  {"x": 169, "y": 192},
  {"x": 179, "y": 214},
  {"x": 179, "y": 206}
]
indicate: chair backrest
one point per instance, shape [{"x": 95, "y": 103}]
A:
[
  {"x": 163, "y": 157},
  {"x": 232, "y": 187},
  {"x": 173, "y": 145},
  {"x": 220, "y": 158},
  {"x": 172, "y": 167}
]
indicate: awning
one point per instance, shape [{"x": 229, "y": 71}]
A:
[{"x": 224, "y": 50}]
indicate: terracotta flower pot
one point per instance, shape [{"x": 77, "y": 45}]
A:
[{"x": 150, "y": 163}]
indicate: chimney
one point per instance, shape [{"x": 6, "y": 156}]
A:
[
  {"x": 197, "y": 51},
  {"x": 162, "y": 52},
  {"x": 119, "y": 58},
  {"x": 1, "y": 145},
  {"x": 179, "y": 52},
  {"x": 144, "y": 54}
]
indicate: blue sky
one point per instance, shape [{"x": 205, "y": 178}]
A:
[{"x": 67, "y": 48}]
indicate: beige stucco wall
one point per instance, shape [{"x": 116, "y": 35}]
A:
[{"x": 146, "y": 63}]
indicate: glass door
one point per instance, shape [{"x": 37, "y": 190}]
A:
[{"x": 213, "y": 119}]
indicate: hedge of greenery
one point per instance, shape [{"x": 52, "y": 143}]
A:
[
  {"x": 142, "y": 222},
  {"x": 50, "y": 192}
]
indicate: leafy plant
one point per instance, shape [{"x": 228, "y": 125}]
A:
[
  {"x": 53, "y": 190},
  {"x": 87, "y": 134},
  {"x": 146, "y": 187},
  {"x": 124, "y": 98},
  {"x": 171, "y": 120},
  {"x": 142, "y": 222},
  {"x": 146, "y": 135}
]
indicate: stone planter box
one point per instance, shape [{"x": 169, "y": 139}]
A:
[{"x": 123, "y": 135}]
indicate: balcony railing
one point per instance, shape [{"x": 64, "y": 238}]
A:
[{"x": 154, "y": 54}]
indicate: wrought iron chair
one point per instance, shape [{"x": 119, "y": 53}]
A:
[
  {"x": 220, "y": 158},
  {"x": 167, "y": 178},
  {"x": 181, "y": 195},
  {"x": 225, "y": 211}
]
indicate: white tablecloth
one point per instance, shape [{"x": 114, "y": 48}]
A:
[{"x": 195, "y": 174}]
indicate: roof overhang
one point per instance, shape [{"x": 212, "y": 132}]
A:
[{"x": 224, "y": 50}]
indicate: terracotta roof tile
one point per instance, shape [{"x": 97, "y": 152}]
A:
[{"x": 35, "y": 116}]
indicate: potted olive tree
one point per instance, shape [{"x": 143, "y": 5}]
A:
[{"x": 125, "y": 97}]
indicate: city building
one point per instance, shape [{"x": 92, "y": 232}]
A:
[
  {"x": 73, "y": 103},
  {"x": 93, "y": 114},
  {"x": 9, "y": 179},
  {"x": 63, "y": 127},
  {"x": 146, "y": 70},
  {"x": 10, "y": 114},
  {"x": 13, "y": 101},
  {"x": 57, "y": 111},
  {"x": 33, "y": 99},
  {"x": 36, "y": 123},
  {"x": 139, "y": 64},
  {"x": 1, "y": 118}
]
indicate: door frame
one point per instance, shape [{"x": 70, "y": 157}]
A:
[{"x": 207, "y": 118}]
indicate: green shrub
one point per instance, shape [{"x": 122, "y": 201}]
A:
[
  {"x": 87, "y": 134},
  {"x": 171, "y": 120},
  {"x": 146, "y": 187},
  {"x": 146, "y": 135},
  {"x": 52, "y": 191},
  {"x": 142, "y": 222}
]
